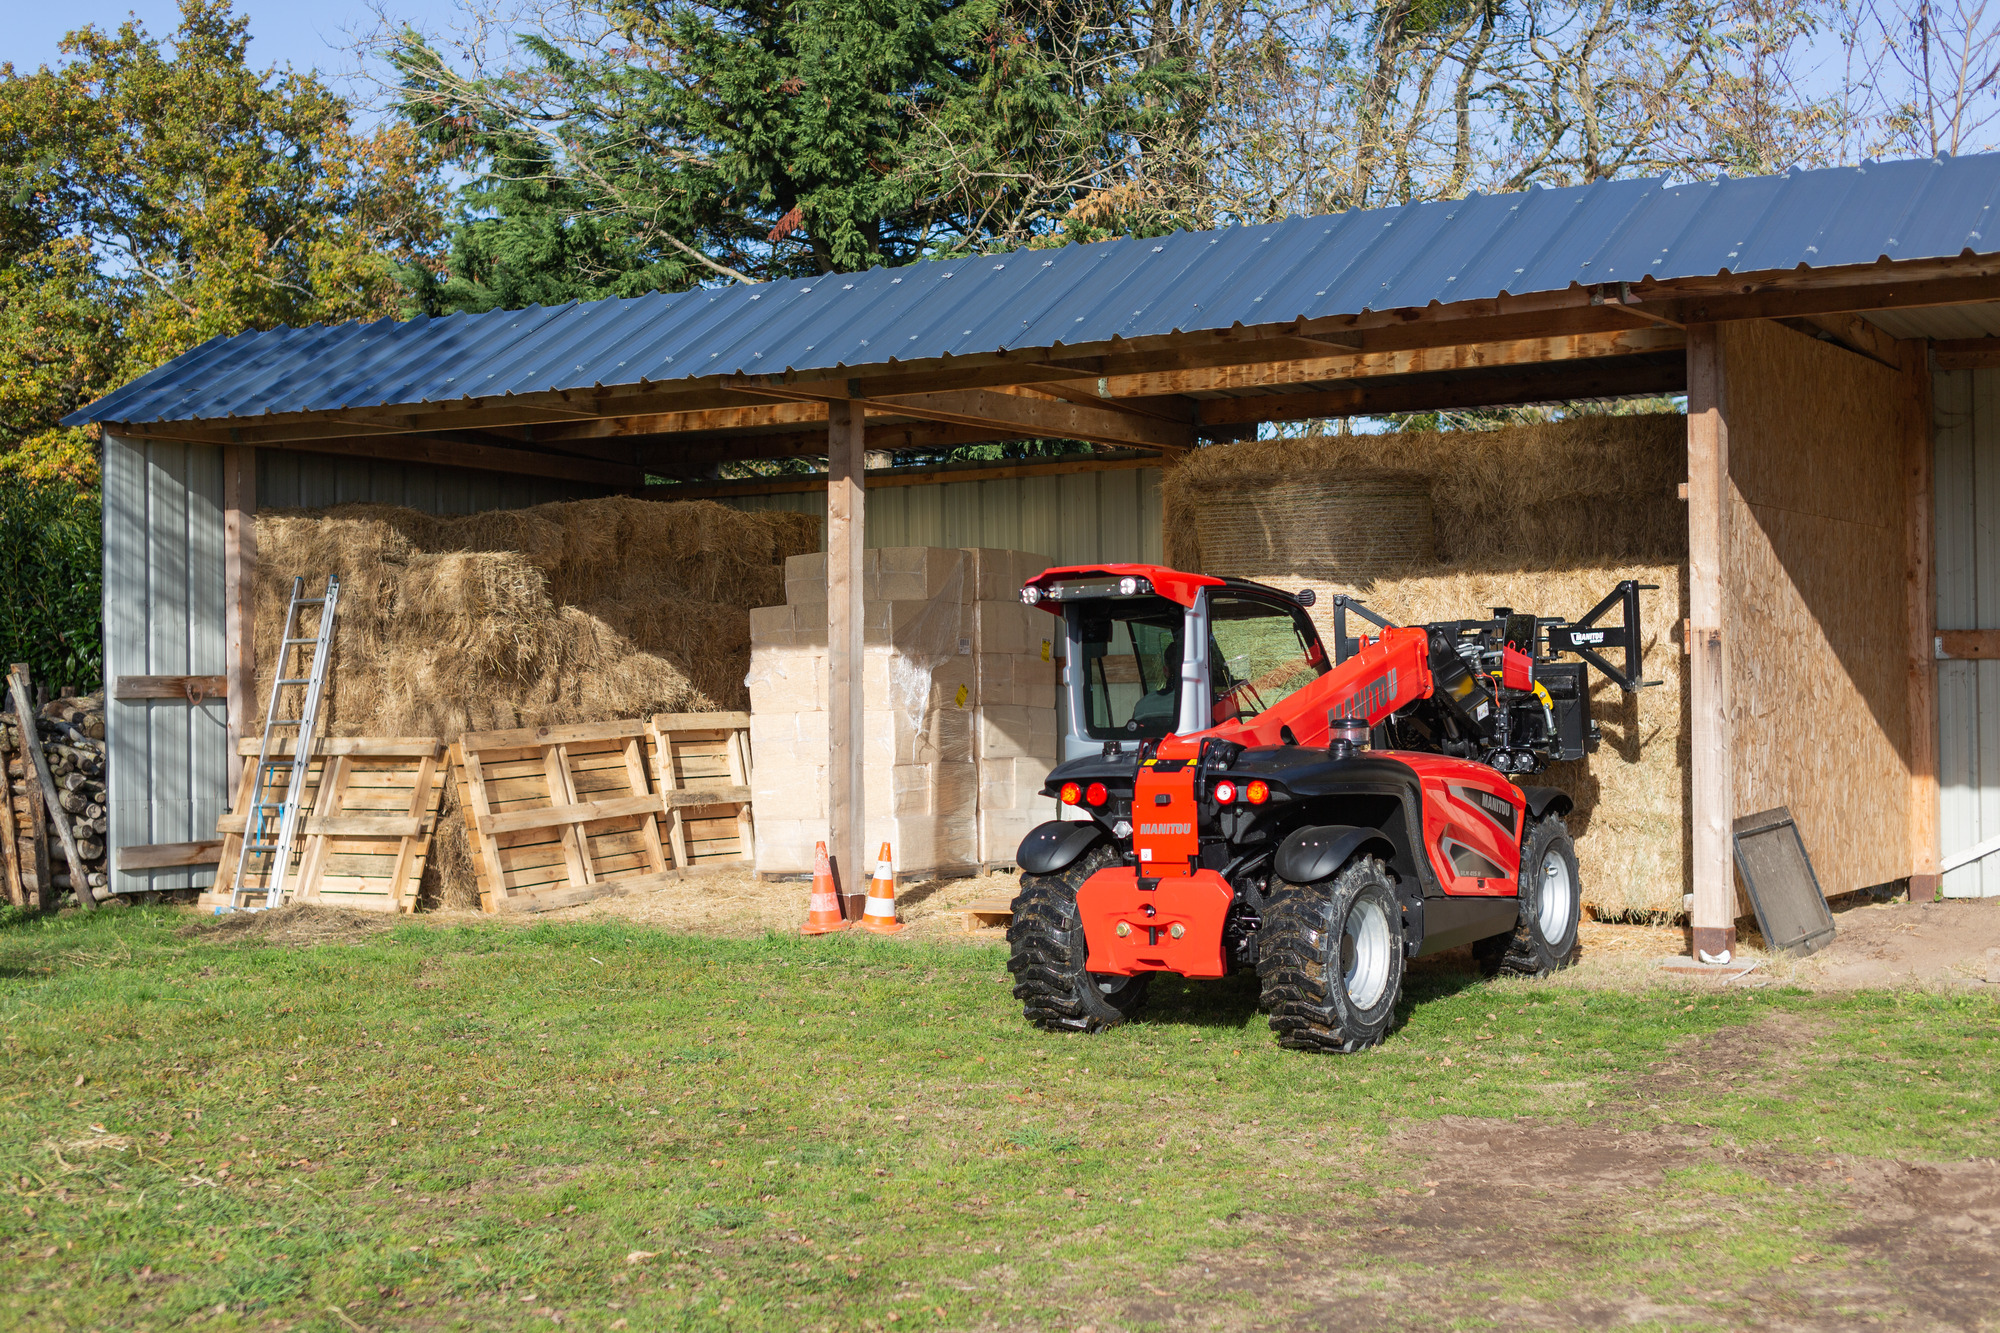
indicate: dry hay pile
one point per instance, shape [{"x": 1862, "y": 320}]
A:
[
  {"x": 575, "y": 612},
  {"x": 1543, "y": 518}
]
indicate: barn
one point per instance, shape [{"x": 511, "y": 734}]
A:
[{"x": 1833, "y": 332}]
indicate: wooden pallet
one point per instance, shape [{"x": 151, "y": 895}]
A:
[
  {"x": 559, "y": 815},
  {"x": 978, "y": 916},
  {"x": 372, "y": 809},
  {"x": 705, "y": 757}
]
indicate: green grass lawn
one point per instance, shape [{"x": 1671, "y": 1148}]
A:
[{"x": 498, "y": 1126}]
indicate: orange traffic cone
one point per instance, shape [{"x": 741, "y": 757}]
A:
[
  {"x": 880, "y": 913},
  {"x": 823, "y": 917}
]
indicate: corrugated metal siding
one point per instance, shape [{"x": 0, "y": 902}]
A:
[
  {"x": 1072, "y": 519},
  {"x": 163, "y": 617},
  {"x": 1447, "y": 251},
  {"x": 287, "y": 480},
  {"x": 1968, "y": 568}
]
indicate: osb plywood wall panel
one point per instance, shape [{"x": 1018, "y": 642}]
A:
[{"x": 1814, "y": 598}]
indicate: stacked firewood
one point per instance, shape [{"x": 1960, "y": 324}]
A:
[{"x": 71, "y": 732}]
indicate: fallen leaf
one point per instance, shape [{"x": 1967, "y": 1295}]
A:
[{"x": 639, "y": 1257}]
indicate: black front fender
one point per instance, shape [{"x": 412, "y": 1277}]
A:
[
  {"x": 1547, "y": 801},
  {"x": 1312, "y": 853},
  {"x": 1051, "y": 846}
]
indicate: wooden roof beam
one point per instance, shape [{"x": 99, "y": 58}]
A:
[
  {"x": 435, "y": 450},
  {"x": 1652, "y": 373},
  {"x": 802, "y": 483},
  {"x": 1015, "y": 414}
]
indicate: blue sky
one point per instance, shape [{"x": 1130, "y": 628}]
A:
[{"x": 303, "y": 33}]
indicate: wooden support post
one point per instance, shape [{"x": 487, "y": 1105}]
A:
[
  {"x": 239, "y": 579},
  {"x": 1920, "y": 589},
  {"x": 1710, "y": 782},
  {"x": 846, "y": 457}
]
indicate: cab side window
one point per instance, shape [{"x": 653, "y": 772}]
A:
[{"x": 1260, "y": 654}]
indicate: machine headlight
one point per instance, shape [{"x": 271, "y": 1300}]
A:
[{"x": 1031, "y": 595}]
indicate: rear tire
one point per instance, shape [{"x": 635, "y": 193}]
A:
[
  {"x": 1330, "y": 958},
  {"x": 1544, "y": 939},
  {"x": 1056, "y": 993}
]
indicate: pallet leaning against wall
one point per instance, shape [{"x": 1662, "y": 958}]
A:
[
  {"x": 372, "y": 811},
  {"x": 703, "y": 764},
  {"x": 559, "y": 815}
]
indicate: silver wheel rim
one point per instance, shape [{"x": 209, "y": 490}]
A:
[
  {"x": 1364, "y": 954},
  {"x": 1558, "y": 894}
]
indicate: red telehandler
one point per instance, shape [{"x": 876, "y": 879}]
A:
[{"x": 1239, "y": 801}]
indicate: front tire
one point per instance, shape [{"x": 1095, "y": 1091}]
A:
[
  {"x": 1056, "y": 993},
  {"x": 1544, "y": 939},
  {"x": 1331, "y": 959}
]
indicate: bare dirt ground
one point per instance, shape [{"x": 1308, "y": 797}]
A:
[
  {"x": 1878, "y": 946},
  {"x": 1495, "y": 1211}
]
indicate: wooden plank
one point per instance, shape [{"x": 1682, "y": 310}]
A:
[
  {"x": 239, "y": 586},
  {"x": 314, "y": 850},
  {"x": 669, "y": 779},
  {"x": 168, "y": 855},
  {"x": 635, "y": 771},
  {"x": 10, "y": 845},
  {"x": 704, "y": 796},
  {"x": 559, "y": 816},
  {"x": 190, "y": 689},
  {"x": 1966, "y": 353},
  {"x": 1967, "y": 645},
  {"x": 537, "y": 737},
  {"x": 1055, "y": 418},
  {"x": 981, "y": 915},
  {"x": 426, "y": 794},
  {"x": 739, "y": 775},
  {"x": 1651, "y": 373},
  {"x": 409, "y": 447},
  {"x": 846, "y": 539},
  {"x": 368, "y": 747},
  {"x": 908, "y": 476},
  {"x": 1709, "y": 778},
  {"x": 723, "y": 723},
  {"x": 1920, "y": 606},
  {"x": 363, "y": 826},
  {"x": 17, "y": 683}
]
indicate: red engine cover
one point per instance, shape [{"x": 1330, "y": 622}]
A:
[
  {"x": 1473, "y": 821},
  {"x": 1198, "y": 903}
]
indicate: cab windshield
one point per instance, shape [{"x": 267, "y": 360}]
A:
[
  {"x": 1131, "y": 659},
  {"x": 1261, "y": 653}
]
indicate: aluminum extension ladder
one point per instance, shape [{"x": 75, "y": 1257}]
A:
[{"x": 261, "y": 841}]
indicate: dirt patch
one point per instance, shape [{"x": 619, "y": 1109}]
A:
[
  {"x": 301, "y": 923},
  {"x": 1886, "y": 945},
  {"x": 1493, "y": 1206}
]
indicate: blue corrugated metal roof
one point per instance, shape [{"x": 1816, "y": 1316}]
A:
[{"x": 1302, "y": 268}]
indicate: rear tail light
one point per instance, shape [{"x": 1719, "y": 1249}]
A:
[
  {"x": 1257, "y": 792},
  {"x": 1225, "y": 792},
  {"x": 1071, "y": 793},
  {"x": 1096, "y": 794}
]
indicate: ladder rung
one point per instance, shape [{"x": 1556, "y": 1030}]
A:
[
  {"x": 309, "y": 601},
  {"x": 296, "y": 680},
  {"x": 263, "y": 847},
  {"x": 289, "y": 642}
]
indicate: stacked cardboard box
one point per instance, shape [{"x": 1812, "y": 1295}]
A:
[{"x": 958, "y": 688}]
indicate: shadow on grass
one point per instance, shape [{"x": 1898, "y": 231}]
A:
[{"x": 1231, "y": 1002}]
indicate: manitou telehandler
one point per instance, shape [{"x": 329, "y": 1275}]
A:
[{"x": 1239, "y": 801}]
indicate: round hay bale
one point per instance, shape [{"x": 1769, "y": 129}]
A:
[{"x": 1344, "y": 528}]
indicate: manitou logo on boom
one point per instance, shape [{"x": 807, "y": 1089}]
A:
[{"x": 1372, "y": 697}]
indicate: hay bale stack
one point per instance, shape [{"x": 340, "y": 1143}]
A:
[
  {"x": 1365, "y": 524},
  {"x": 1542, "y": 518},
  {"x": 574, "y": 612}
]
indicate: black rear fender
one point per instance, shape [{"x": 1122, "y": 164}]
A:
[
  {"x": 1055, "y": 845},
  {"x": 1310, "y": 854}
]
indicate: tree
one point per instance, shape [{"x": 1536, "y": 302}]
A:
[
  {"x": 155, "y": 194},
  {"x": 160, "y": 193},
  {"x": 657, "y": 144}
]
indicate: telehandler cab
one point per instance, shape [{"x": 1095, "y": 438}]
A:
[{"x": 1239, "y": 801}]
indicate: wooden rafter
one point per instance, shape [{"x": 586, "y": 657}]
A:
[
  {"x": 879, "y": 478},
  {"x": 1657, "y": 372}
]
